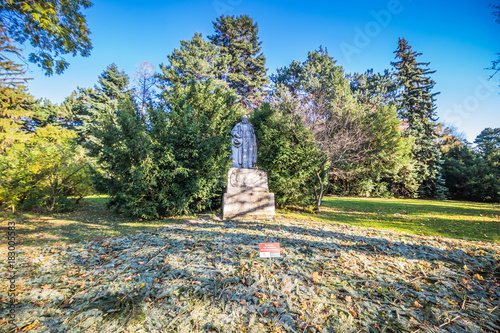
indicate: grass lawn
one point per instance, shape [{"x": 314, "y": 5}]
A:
[
  {"x": 456, "y": 219},
  {"x": 91, "y": 220},
  {"x": 343, "y": 270}
]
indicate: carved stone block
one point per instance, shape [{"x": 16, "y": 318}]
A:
[{"x": 247, "y": 195}]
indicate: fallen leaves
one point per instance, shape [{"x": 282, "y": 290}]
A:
[{"x": 191, "y": 274}]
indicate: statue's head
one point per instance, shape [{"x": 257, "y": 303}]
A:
[{"x": 244, "y": 119}]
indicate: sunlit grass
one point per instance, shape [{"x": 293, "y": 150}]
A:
[
  {"x": 92, "y": 220},
  {"x": 457, "y": 219}
]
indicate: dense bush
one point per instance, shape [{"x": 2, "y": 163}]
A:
[
  {"x": 471, "y": 176},
  {"x": 47, "y": 170},
  {"x": 172, "y": 161},
  {"x": 288, "y": 153}
]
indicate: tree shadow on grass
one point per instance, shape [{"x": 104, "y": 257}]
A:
[
  {"x": 91, "y": 220},
  {"x": 413, "y": 205},
  {"x": 484, "y": 226},
  {"x": 206, "y": 247}
]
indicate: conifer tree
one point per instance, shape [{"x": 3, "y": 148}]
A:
[
  {"x": 418, "y": 111},
  {"x": 196, "y": 60},
  {"x": 15, "y": 102},
  {"x": 237, "y": 38},
  {"x": 103, "y": 98}
]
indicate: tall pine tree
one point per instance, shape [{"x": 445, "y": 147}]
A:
[
  {"x": 418, "y": 111},
  {"x": 103, "y": 99},
  {"x": 196, "y": 60},
  {"x": 237, "y": 38}
]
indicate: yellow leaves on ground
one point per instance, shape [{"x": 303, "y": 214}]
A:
[
  {"x": 316, "y": 277},
  {"x": 31, "y": 326}
]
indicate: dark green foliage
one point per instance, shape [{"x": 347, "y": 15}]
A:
[
  {"x": 417, "y": 109},
  {"x": 236, "y": 38},
  {"x": 196, "y": 60},
  {"x": 488, "y": 141},
  {"x": 288, "y": 153},
  {"x": 122, "y": 150},
  {"x": 374, "y": 88},
  {"x": 89, "y": 105},
  {"x": 200, "y": 119},
  {"x": 175, "y": 160},
  {"x": 319, "y": 76},
  {"x": 470, "y": 176},
  {"x": 353, "y": 124},
  {"x": 384, "y": 172},
  {"x": 52, "y": 27}
]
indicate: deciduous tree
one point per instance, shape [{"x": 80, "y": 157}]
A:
[{"x": 52, "y": 27}]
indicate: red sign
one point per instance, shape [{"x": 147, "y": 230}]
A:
[
  {"x": 269, "y": 247},
  {"x": 268, "y": 250}
]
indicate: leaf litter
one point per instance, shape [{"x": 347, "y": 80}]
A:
[{"x": 207, "y": 276}]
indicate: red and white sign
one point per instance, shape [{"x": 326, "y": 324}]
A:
[{"x": 269, "y": 250}]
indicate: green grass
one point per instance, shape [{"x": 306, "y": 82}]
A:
[
  {"x": 91, "y": 220},
  {"x": 456, "y": 219}
]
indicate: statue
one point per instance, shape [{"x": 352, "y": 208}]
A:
[{"x": 243, "y": 145}]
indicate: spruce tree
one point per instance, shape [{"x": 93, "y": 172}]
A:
[
  {"x": 237, "y": 38},
  {"x": 418, "y": 111},
  {"x": 103, "y": 99}
]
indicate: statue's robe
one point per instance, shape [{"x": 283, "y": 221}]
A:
[{"x": 244, "y": 146}]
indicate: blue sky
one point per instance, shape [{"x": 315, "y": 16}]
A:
[{"x": 458, "y": 38}]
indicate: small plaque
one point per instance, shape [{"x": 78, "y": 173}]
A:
[{"x": 269, "y": 250}]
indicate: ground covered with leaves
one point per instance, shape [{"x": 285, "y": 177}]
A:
[{"x": 206, "y": 275}]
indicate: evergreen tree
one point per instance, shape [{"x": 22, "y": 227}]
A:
[
  {"x": 470, "y": 176},
  {"x": 15, "y": 102},
  {"x": 296, "y": 167},
  {"x": 488, "y": 141},
  {"x": 417, "y": 110},
  {"x": 101, "y": 100},
  {"x": 174, "y": 160},
  {"x": 319, "y": 75},
  {"x": 236, "y": 37},
  {"x": 196, "y": 60},
  {"x": 374, "y": 88},
  {"x": 200, "y": 119},
  {"x": 328, "y": 109}
]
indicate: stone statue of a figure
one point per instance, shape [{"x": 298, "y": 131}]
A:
[{"x": 243, "y": 145}]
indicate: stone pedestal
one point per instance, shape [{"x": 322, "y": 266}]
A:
[{"x": 247, "y": 195}]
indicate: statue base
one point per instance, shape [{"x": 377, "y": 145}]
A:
[{"x": 247, "y": 195}]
